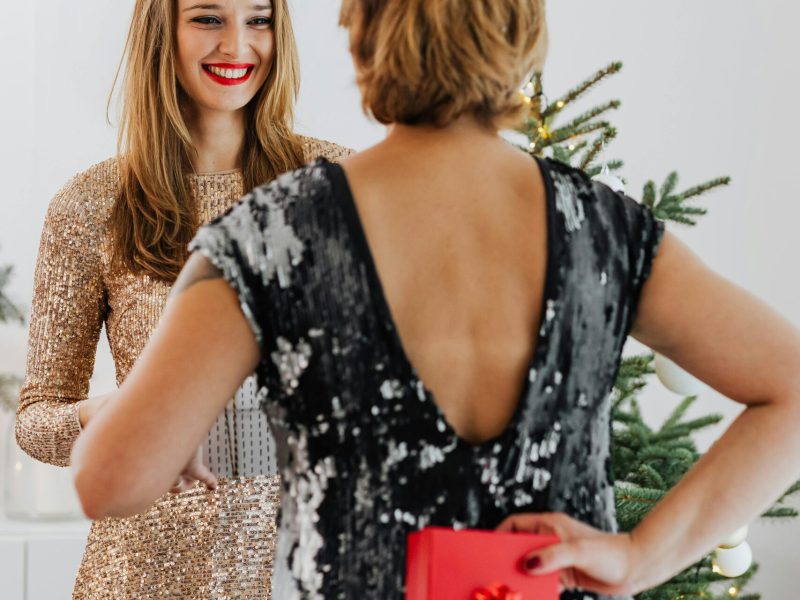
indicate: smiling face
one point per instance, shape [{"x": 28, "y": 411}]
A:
[{"x": 225, "y": 50}]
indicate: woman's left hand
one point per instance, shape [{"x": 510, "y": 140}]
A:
[
  {"x": 588, "y": 558},
  {"x": 195, "y": 470}
]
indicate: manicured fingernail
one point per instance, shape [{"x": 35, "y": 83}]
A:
[{"x": 532, "y": 562}]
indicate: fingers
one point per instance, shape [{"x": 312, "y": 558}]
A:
[
  {"x": 598, "y": 563},
  {"x": 559, "y": 524},
  {"x": 552, "y": 558},
  {"x": 181, "y": 485},
  {"x": 203, "y": 474},
  {"x": 195, "y": 470},
  {"x": 542, "y": 523}
]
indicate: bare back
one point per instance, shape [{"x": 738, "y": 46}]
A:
[{"x": 456, "y": 223}]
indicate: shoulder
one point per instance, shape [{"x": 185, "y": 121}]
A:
[
  {"x": 87, "y": 198},
  {"x": 313, "y": 148},
  {"x": 579, "y": 199}
]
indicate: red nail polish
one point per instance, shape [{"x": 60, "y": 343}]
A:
[{"x": 532, "y": 562}]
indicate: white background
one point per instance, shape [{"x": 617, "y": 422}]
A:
[{"x": 709, "y": 88}]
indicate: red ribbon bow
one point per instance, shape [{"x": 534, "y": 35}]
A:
[{"x": 496, "y": 591}]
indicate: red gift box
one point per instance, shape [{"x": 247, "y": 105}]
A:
[{"x": 469, "y": 564}]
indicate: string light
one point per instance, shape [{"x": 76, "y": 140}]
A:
[
  {"x": 733, "y": 591},
  {"x": 560, "y": 104}
]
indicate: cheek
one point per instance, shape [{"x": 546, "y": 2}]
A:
[
  {"x": 266, "y": 49},
  {"x": 181, "y": 54},
  {"x": 189, "y": 49}
]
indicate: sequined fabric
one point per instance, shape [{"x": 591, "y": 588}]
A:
[
  {"x": 194, "y": 545},
  {"x": 365, "y": 454}
]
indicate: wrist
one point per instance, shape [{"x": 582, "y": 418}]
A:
[
  {"x": 634, "y": 580},
  {"x": 82, "y": 416}
]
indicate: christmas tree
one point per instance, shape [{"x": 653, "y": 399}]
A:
[
  {"x": 9, "y": 313},
  {"x": 647, "y": 462}
]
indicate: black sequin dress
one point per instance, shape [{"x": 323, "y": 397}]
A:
[{"x": 365, "y": 453}]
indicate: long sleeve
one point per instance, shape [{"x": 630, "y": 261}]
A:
[
  {"x": 313, "y": 148},
  {"x": 69, "y": 306}
]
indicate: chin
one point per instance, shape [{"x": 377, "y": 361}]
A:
[{"x": 223, "y": 104}]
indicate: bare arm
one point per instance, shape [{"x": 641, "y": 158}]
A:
[
  {"x": 742, "y": 348},
  {"x": 739, "y": 346},
  {"x": 137, "y": 446},
  {"x": 67, "y": 314}
]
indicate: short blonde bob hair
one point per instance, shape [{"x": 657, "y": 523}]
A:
[{"x": 432, "y": 61}]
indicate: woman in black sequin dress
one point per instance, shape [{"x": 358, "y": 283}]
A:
[{"x": 436, "y": 326}]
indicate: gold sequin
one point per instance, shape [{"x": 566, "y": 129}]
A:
[{"x": 198, "y": 544}]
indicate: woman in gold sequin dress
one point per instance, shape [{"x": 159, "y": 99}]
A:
[{"x": 208, "y": 97}]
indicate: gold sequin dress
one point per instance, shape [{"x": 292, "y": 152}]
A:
[{"x": 197, "y": 544}]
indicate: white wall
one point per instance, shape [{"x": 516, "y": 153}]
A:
[{"x": 708, "y": 89}]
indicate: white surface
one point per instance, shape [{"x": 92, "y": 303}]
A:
[
  {"x": 52, "y": 566},
  {"x": 12, "y": 568},
  {"x": 18, "y": 528},
  {"x": 709, "y": 88},
  {"x": 39, "y": 560}
]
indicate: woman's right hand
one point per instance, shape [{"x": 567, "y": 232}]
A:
[{"x": 87, "y": 409}]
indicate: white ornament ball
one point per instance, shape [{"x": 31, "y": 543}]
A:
[
  {"x": 608, "y": 178},
  {"x": 734, "y": 539},
  {"x": 733, "y": 562},
  {"x": 676, "y": 379}
]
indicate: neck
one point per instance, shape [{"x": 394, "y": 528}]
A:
[
  {"x": 464, "y": 128},
  {"x": 218, "y": 138}
]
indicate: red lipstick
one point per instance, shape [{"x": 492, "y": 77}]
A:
[{"x": 221, "y": 79}]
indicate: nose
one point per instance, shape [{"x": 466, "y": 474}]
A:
[{"x": 233, "y": 40}]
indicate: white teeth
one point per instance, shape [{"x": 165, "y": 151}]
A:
[{"x": 228, "y": 73}]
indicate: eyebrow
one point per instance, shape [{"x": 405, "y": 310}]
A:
[{"x": 219, "y": 7}]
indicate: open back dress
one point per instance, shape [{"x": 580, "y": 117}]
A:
[{"x": 365, "y": 453}]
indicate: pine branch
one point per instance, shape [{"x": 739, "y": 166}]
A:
[
  {"x": 784, "y": 512},
  {"x": 670, "y": 206},
  {"x": 678, "y": 413},
  {"x": 587, "y": 116},
  {"x": 8, "y": 310},
  {"x": 581, "y": 89},
  {"x": 794, "y": 489},
  {"x": 609, "y": 133},
  {"x": 562, "y": 135}
]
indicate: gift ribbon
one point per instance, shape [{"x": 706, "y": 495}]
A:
[{"x": 497, "y": 591}]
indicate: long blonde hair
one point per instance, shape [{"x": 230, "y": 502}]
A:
[{"x": 154, "y": 215}]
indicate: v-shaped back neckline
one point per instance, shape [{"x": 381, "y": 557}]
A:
[{"x": 535, "y": 363}]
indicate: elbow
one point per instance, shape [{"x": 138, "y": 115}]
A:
[
  {"x": 103, "y": 489},
  {"x": 95, "y": 501},
  {"x": 95, "y": 491},
  {"x": 102, "y": 497}
]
